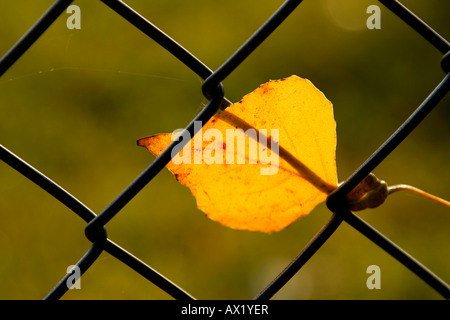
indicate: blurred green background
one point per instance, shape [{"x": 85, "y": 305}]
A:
[{"x": 74, "y": 105}]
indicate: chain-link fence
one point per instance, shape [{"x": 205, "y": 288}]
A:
[{"x": 213, "y": 90}]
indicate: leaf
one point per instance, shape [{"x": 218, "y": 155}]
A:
[{"x": 285, "y": 170}]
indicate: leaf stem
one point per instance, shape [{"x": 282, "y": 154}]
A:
[{"x": 415, "y": 190}]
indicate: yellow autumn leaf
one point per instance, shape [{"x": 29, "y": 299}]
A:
[{"x": 263, "y": 162}]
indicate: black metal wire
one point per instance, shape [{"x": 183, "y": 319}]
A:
[
  {"x": 310, "y": 249},
  {"x": 395, "y": 251},
  {"x": 46, "y": 184},
  {"x": 87, "y": 215},
  {"x": 83, "y": 264},
  {"x": 249, "y": 46},
  {"x": 212, "y": 82},
  {"x": 159, "y": 37},
  {"x": 337, "y": 198},
  {"x": 213, "y": 90},
  {"x": 162, "y": 39},
  {"x": 148, "y": 174},
  {"x": 33, "y": 34},
  {"x": 411, "y": 123},
  {"x": 417, "y": 24}
]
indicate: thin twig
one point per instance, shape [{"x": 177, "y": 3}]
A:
[{"x": 415, "y": 190}]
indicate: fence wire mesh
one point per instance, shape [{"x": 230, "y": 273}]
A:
[{"x": 97, "y": 222}]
